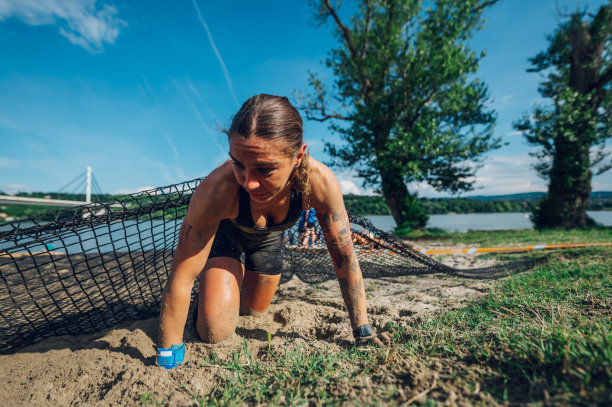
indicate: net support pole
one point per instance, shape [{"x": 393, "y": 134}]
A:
[{"x": 88, "y": 190}]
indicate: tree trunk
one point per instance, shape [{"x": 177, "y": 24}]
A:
[
  {"x": 568, "y": 191},
  {"x": 395, "y": 192},
  {"x": 570, "y": 176},
  {"x": 405, "y": 208}
]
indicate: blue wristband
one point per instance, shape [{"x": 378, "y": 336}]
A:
[{"x": 171, "y": 357}]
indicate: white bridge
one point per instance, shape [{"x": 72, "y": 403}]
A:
[{"x": 19, "y": 200}]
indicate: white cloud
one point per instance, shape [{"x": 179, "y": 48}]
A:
[
  {"x": 602, "y": 184},
  {"x": 508, "y": 175},
  {"x": 127, "y": 191},
  {"x": 349, "y": 187},
  {"x": 500, "y": 175},
  {"x": 348, "y": 183},
  {"x": 81, "y": 21},
  {"x": 13, "y": 188}
]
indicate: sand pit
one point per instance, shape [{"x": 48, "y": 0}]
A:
[{"x": 116, "y": 366}]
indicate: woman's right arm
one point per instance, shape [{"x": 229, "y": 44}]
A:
[{"x": 208, "y": 206}]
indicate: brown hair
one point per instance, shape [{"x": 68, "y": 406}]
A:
[{"x": 273, "y": 117}]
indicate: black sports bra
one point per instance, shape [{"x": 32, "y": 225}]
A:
[{"x": 244, "y": 220}]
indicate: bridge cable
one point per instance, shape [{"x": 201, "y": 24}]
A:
[{"x": 80, "y": 176}]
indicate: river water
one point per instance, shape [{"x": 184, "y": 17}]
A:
[
  {"x": 158, "y": 234},
  {"x": 482, "y": 221}
]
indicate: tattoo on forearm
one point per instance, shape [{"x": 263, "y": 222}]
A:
[
  {"x": 184, "y": 232},
  {"x": 324, "y": 222},
  {"x": 338, "y": 216},
  {"x": 352, "y": 297},
  {"x": 337, "y": 231},
  {"x": 339, "y": 243},
  {"x": 188, "y": 235}
]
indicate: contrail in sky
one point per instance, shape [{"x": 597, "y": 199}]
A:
[
  {"x": 205, "y": 126},
  {"x": 212, "y": 43},
  {"x": 177, "y": 156},
  {"x": 193, "y": 90}
]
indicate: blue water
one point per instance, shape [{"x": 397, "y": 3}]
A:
[
  {"x": 162, "y": 235},
  {"x": 482, "y": 221}
]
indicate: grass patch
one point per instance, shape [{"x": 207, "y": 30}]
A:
[
  {"x": 523, "y": 236},
  {"x": 295, "y": 377},
  {"x": 547, "y": 334},
  {"x": 543, "y": 336}
]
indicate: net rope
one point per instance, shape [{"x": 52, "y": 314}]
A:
[{"x": 80, "y": 270}]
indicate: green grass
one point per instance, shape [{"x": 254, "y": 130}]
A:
[
  {"x": 543, "y": 337},
  {"x": 293, "y": 377},
  {"x": 523, "y": 236},
  {"x": 548, "y": 334},
  {"x": 147, "y": 399}
]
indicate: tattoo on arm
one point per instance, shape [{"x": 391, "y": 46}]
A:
[
  {"x": 337, "y": 230},
  {"x": 184, "y": 232},
  {"x": 352, "y": 296},
  {"x": 190, "y": 237},
  {"x": 339, "y": 243}
]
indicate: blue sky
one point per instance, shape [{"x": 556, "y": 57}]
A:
[{"x": 139, "y": 89}]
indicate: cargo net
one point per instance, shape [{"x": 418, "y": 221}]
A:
[{"x": 80, "y": 270}]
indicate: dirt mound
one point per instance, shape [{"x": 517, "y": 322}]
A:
[{"x": 116, "y": 367}]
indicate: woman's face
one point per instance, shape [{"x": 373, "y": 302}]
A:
[{"x": 262, "y": 166}]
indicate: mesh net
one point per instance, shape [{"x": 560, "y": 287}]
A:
[{"x": 80, "y": 270}]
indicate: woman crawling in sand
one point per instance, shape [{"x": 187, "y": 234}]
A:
[{"x": 232, "y": 235}]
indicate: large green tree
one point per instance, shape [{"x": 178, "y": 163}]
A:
[
  {"x": 405, "y": 99},
  {"x": 571, "y": 131}
]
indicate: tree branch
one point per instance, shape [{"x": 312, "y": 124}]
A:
[
  {"x": 344, "y": 31},
  {"x": 417, "y": 111},
  {"x": 603, "y": 80},
  {"x": 324, "y": 117},
  {"x": 367, "y": 30},
  {"x": 483, "y": 5}
]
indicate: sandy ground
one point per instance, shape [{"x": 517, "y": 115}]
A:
[{"x": 115, "y": 367}]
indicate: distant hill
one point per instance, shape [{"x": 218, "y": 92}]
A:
[
  {"x": 530, "y": 196},
  {"x": 525, "y": 202},
  {"x": 526, "y": 196}
]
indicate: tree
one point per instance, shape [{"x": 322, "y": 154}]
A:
[
  {"x": 572, "y": 131},
  {"x": 404, "y": 99}
]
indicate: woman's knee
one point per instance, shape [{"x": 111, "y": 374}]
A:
[
  {"x": 219, "y": 299},
  {"x": 216, "y": 328},
  {"x": 257, "y": 293}
]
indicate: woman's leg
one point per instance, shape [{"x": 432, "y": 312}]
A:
[
  {"x": 219, "y": 298},
  {"x": 257, "y": 292}
]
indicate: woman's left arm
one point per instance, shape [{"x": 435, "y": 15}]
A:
[
  {"x": 334, "y": 222},
  {"x": 335, "y": 226}
]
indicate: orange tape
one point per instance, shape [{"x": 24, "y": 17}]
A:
[{"x": 511, "y": 248}]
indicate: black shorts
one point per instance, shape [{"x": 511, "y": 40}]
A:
[{"x": 259, "y": 252}]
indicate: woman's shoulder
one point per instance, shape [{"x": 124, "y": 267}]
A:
[
  {"x": 323, "y": 183},
  {"x": 217, "y": 194},
  {"x": 319, "y": 173}
]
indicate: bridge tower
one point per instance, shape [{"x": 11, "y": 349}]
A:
[{"x": 88, "y": 189}]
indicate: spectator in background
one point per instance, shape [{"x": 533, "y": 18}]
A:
[{"x": 306, "y": 227}]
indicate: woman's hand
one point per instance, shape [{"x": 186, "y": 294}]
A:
[
  {"x": 365, "y": 336},
  {"x": 171, "y": 357},
  {"x": 381, "y": 339}
]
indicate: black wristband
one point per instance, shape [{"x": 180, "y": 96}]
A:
[{"x": 363, "y": 331}]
